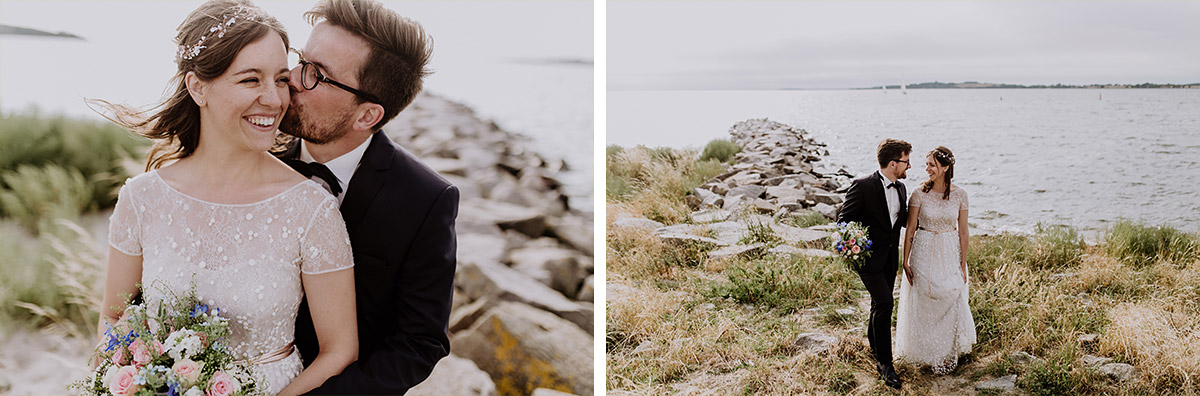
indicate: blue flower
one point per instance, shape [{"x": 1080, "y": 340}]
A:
[
  {"x": 172, "y": 389},
  {"x": 113, "y": 341},
  {"x": 198, "y": 310}
]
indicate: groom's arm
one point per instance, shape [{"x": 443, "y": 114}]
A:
[
  {"x": 423, "y": 297},
  {"x": 853, "y": 206}
]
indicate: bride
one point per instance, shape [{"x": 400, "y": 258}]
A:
[
  {"x": 934, "y": 324},
  {"x": 217, "y": 211}
]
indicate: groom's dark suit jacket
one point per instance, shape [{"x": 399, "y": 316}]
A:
[
  {"x": 400, "y": 217},
  {"x": 867, "y": 204}
]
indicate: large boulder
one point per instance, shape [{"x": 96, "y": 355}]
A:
[
  {"x": 527, "y": 348},
  {"x": 455, "y": 376},
  {"x": 500, "y": 283},
  {"x": 558, "y": 268},
  {"x": 505, "y": 215}
]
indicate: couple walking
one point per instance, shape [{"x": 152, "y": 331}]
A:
[
  {"x": 338, "y": 284},
  {"x": 934, "y": 324}
]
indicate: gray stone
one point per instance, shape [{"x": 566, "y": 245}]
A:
[
  {"x": 463, "y": 317},
  {"x": 827, "y": 210},
  {"x": 711, "y": 215},
  {"x": 587, "y": 292},
  {"x": 845, "y": 311},
  {"x": 784, "y": 250},
  {"x": 636, "y": 223},
  {"x": 750, "y": 191},
  {"x": 827, "y": 198},
  {"x": 693, "y": 202},
  {"x": 785, "y": 192},
  {"x": 1005, "y": 384},
  {"x": 1022, "y": 358},
  {"x": 704, "y": 194},
  {"x": 507, "y": 216},
  {"x": 735, "y": 250},
  {"x": 575, "y": 229},
  {"x": 455, "y": 376},
  {"x": 549, "y": 392},
  {"x": 815, "y": 342},
  {"x": 500, "y": 283},
  {"x": 1119, "y": 372},
  {"x": 529, "y": 349},
  {"x": 1092, "y": 361},
  {"x": 713, "y": 201},
  {"x": 480, "y": 248},
  {"x": 796, "y": 235},
  {"x": 764, "y": 207},
  {"x": 555, "y": 267},
  {"x": 1089, "y": 338},
  {"x": 719, "y": 188}
]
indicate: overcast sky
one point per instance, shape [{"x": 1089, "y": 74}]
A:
[{"x": 660, "y": 45}]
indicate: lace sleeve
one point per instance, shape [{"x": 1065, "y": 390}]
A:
[
  {"x": 914, "y": 199},
  {"x": 124, "y": 229},
  {"x": 962, "y": 199},
  {"x": 325, "y": 246}
]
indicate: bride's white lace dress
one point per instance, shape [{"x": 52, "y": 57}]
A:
[
  {"x": 933, "y": 322},
  {"x": 245, "y": 259}
]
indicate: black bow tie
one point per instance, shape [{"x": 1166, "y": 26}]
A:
[
  {"x": 895, "y": 185},
  {"x": 310, "y": 169}
]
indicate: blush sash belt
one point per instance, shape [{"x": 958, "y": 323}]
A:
[
  {"x": 274, "y": 356},
  {"x": 936, "y": 231}
]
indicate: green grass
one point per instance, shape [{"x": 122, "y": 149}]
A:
[
  {"x": 721, "y": 150},
  {"x": 809, "y": 219},
  {"x": 1142, "y": 245},
  {"x": 787, "y": 285}
]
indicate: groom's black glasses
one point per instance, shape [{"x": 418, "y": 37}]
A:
[{"x": 310, "y": 76}]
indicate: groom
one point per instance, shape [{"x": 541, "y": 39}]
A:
[
  {"x": 878, "y": 202},
  {"x": 361, "y": 66}
]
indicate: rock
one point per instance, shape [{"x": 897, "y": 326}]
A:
[
  {"x": 735, "y": 250},
  {"x": 796, "y": 235},
  {"x": 480, "y": 248},
  {"x": 719, "y": 188},
  {"x": 550, "y": 392},
  {"x": 845, "y": 311},
  {"x": 1089, "y": 338},
  {"x": 815, "y": 342},
  {"x": 500, "y": 283},
  {"x": 636, "y": 223},
  {"x": 506, "y": 216},
  {"x": 555, "y": 267},
  {"x": 764, "y": 207},
  {"x": 463, "y": 317},
  {"x": 826, "y": 210},
  {"x": 1022, "y": 358},
  {"x": 528, "y": 349},
  {"x": 749, "y": 191},
  {"x": 785, "y": 192},
  {"x": 575, "y": 230},
  {"x": 587, "y": 292},
  {"x": 1093, "y": 361},
  {"x": 827, "y": 198},
  {"x": 693, "y": 202},
  {"x": 1003, "y": 384},
  {"x": 1119, "y": 372},
  {"x": 710, "y": 215},
  {"x": 455, "y": 376}
]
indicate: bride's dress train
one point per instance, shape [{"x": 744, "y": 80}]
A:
[{"x": 933, "y": 323}]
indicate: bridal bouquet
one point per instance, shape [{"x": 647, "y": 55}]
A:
[
  {"x": 851, "y": 243},
  {"x": 176, "y": 349}
]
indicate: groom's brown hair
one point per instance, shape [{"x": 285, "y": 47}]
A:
[
  {"x": 400, "y": 50},
  {"x": 891, "y": 150}
]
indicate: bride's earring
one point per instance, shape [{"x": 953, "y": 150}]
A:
[{"x": 200, "y": 102}]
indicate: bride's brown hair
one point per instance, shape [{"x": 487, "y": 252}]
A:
[
  {"x": 209, "y": 39},
  {"x": 943, "y": 156}
]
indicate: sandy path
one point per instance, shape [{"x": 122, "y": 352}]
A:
[{"x": 39, "y": 363}]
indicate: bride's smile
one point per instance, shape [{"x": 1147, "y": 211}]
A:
[{"x": 245, "y": 105}]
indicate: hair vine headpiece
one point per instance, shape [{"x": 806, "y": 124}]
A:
[
  {"x": 188, "y": 52},
  {"x": 943, "y": 156}
]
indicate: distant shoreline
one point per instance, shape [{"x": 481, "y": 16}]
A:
[
  {"x": 23, "y": 31},
  {"x": 979, "y": 85}
]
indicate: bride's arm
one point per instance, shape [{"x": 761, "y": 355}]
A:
[
  {"x": 120, "y": 284},
  {"x": 910, "y": 228},
  {"x": 331, "y": 300},
  {"x": 964, "y": 238}
]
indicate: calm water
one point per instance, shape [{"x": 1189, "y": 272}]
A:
[
  {"x": 1075, "y": 157},
  {"x": 500, "y": 58}
]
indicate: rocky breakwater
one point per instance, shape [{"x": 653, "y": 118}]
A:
[
  {"x": 774, "y": 183},
  {"x": 523, "y": 306}
]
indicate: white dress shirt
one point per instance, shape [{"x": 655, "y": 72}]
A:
[
  {"x": 343, "y": 167},
  {"x": 893, "y": 197}
]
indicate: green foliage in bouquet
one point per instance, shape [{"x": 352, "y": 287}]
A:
[{"x": 852, "y": 243}]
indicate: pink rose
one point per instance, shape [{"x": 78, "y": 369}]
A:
[
  {"x": 853, "y": 241},
  {"x": 120, "y": 357},
  {"x": 221, "y": 385},
  {"x": 187, "y": 370},
  {"x": 122, "y": 383},
  {"x": 159, "y": 349},
  {"x": 141, "y": 352},
  {"x": 855, "y": 249},
  {"x": 203, "y": 339}
]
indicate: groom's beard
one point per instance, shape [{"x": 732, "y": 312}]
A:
[{"x": 296, "y": 122}]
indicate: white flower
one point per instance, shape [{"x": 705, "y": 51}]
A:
[
  {"x": 112, "y": 370},
  {"x": 193, "y": 391},
  {"x": 182, "y": 344}
]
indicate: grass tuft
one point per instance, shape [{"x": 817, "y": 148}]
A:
[{"x": 720, "y": 150}]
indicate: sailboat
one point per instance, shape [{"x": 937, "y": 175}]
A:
[
  {"x": 885, "y": 89},
  {"x": 903, "y": 87}
]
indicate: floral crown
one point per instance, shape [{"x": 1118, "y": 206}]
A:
[
  {"x": 943, "y": 156},
  {"x": 240, "y": 12}
]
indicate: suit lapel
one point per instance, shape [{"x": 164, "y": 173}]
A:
[
  {"x": 887, "y": 217},
  {"x": 367, "y": 179}
]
